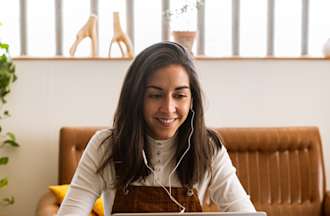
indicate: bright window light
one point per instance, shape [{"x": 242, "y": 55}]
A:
[
  {"x": 147, "y": 19},
  {"x": 218, "y": 28},
  {"x": 287, "y": 28},
  {"x": 253, "y": 34},
  {"x": 41, "y": 24},
  {"x": 9, "y": 30},
  {"x": 319, "y": 26},
  {"x": 147, "y": 23}
]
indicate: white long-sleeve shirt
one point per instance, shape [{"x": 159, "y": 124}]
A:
[{"x": 86, "y": 186}]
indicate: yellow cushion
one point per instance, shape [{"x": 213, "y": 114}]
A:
[{"x": 61, "y": 190}]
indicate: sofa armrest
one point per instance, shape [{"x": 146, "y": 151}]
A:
[
  {"x": 47, "y": 205},
  {"x": 326, "y": 204}
]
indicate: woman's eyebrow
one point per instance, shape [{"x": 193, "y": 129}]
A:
[
  {"x": 181, "y": 88},
  {"x": 176, "y": 89},
  {"x": 154, "y": 87}
]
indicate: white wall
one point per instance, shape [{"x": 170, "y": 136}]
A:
[{"x": 52, "y": 94}]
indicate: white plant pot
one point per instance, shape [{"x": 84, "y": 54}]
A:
[
  {"x": 326, "y": 49},
  {"x": 185, "y": 38}
]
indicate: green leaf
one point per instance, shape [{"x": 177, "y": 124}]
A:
[
  {"x": 4, "y": 46},
  {"x": 14, "y": 77},
  {"x": 3, "y": 100},
  {"x": 4, "y": 160},
  {"x": 4, "y": 93},
  {"x": 3, "y": 182},
  {"x": 12, "y": 67},
  {"x": 6, "y": 113},
  {"x": 3, "y": 58},
  {"x": 8, "y": 201},
  {"x": 11, "y": 136},
  {"x": 11, "y": 143}
]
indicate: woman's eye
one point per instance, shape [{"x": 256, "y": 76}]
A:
[
  {"x": 155, "y": 96},
  {"x": 180, "y": 96}
]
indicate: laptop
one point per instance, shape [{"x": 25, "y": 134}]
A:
[{"x": 194, "y": 214}]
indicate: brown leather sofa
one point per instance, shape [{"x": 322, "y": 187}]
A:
[{"x": 281, "y": 168}]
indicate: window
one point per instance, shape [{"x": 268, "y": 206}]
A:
[
  {"x": 147, "y": 23},
  {"x": 218, "y": 36},
  {"x": 218, "y": 40},
  {"x": 319, "y": 26},
  {"x": 288, "y": 27},
  {"x": 41, "y": 24},
  {"x": 253, "y": 28},
  {"x": 9, "y": 29}
]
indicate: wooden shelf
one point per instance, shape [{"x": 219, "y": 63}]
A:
[{"x": 207, "y": 58}]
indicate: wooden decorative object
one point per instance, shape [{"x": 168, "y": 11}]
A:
[
  {"x": 120, "y": 37},
  {"x": 88, "y": 30}
]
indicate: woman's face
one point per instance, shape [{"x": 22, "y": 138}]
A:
[{"x": 166, "y": 101}]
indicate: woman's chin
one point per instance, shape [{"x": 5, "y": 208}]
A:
[{"x": 164, "y": 136}]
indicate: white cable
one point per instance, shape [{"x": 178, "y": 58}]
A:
[
  {"x": 169, "y": 192},
  {"x": 181, "y": 158}
]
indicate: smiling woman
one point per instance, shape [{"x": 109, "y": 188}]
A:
[
  {"x": 159, "y": 156},
  {"x": 167, "y": 101}
]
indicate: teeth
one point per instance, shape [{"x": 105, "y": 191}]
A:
[{"x": 166, "y": 121}]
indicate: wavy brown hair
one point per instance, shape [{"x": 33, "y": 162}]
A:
[{"x": 128, "y": 134}]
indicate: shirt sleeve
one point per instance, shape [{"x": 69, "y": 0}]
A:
[
  {"x": 225, "y": 188},
  {"x": 86, "y": 185}
]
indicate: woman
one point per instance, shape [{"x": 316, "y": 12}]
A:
[{"x": 159, "y": 156}]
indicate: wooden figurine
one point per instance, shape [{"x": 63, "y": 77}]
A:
[
  {"x": 88, "y": 30},
  {"x": 120, "y": 37}
]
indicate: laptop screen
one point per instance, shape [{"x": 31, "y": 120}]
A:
[{"x": 194, "y": 214}]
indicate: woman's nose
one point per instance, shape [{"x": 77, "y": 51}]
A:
[{"x": 168, "y": 105}]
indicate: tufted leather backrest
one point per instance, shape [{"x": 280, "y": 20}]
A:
[
  {"x": 73, "y": 141},
  {"x": 281, "y": 168}
]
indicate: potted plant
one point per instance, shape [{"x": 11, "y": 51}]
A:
[
  {"x": 7, "y": 140},
  {"x": 183, "y": 21}
]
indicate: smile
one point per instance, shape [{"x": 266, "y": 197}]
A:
[{"x": 166, "y": 121}]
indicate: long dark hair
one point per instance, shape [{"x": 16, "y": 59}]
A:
[{"x": 128, "y": 134}]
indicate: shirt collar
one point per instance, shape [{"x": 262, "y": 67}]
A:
[{"x": 162, "y": 144}]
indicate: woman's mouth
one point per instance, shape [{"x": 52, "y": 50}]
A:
[{"x": 166, "y": 122}]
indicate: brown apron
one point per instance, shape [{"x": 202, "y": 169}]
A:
[{"x": 146, "y": 199}]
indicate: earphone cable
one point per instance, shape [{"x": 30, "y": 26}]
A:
[
  {"x": 182, "y": 156},
  {"x": 169, "y": 192}
]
